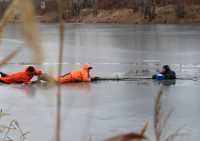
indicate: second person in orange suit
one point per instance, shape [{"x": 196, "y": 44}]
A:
[
  {"x": 24, "y": 76},
  {"x": 82, "y": 75}
]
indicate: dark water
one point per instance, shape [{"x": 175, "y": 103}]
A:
[{"x": 100, "y": 110}]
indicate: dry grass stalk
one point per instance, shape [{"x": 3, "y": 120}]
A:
[
  {"x": 14, "y": 125},
  {"x": 161, "y": 119},
  {"x": 30, "y": 32},
  {"x": 30, "y": 29},
  {"x": 9, "y": 14},
  {"x": 157, "y": 115},
  {"x": 142, "y": 132},
  {"x": 126, "y": 137},
  {"x": 174, "y": 135},
  {"x": 131, "y": 136},
  {"x": 2, "y": 113},
  {"x": 9, "y": 57},
  {"x": 61, "y": 48}
]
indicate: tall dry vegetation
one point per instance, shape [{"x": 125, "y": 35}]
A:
[
  {"x": 160, "y": 122},
  {"x": 31, "y": 37},
  {"x": 161, "y": 119},
  {"x": 13, "y": 127},
  {"x": 131, "y": 136},
  {"x": 60, "y": 4},
  {"x": 25, "y": 10}
]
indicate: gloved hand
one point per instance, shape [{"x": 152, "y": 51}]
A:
[{"x": 39, "y": 73}]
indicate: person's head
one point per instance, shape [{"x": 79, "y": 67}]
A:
[
  {"x": 166, "y": 68},
  {"x": 30, "y": 69},
  {"x": 87, "y": 67}
]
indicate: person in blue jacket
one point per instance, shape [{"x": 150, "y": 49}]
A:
[{"x": 165, "y": 74}]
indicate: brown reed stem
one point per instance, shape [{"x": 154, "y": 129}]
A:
[{"x": 60, "y": 58}]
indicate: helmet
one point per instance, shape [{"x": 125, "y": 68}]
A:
[
  {"x": 87, "y": 66},
  {"x": 30, "y": 69},
  {"x": 166, "y": 67}
]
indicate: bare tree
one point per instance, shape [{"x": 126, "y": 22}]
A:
[
  {"x": 149, "y": 7},
  {"x": 76, "y": 7},
  {"x": 95, "y": 6},
  {"x": 66, "y": 8},
  {"x": 135, "y": 5},
  {"x": 87, "y": 3},
  {"x": 180, "y": 9}
]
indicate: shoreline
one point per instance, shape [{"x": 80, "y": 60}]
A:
[{"x": 164, "y": 15}]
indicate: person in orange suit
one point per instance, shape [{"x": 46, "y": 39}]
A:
[
  {"x": 82, "y": 75},
  {"x": 24, "y": 76}
]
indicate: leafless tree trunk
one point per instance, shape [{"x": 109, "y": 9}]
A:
[
  {"x": 66, "y": 8},
  {"x": 87, "y": 3},
  {"x": 149, "y": 7},
  {"x": 135, "y": 5},
  {"x": 76, "y": 7},
  {"x": 1, "y": 10},
  {"x": 180, "y": 9},
  {"x": 72, "y": 8},
  {"x": 95, "y": 5}
]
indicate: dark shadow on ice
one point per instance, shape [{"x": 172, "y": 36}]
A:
[
  {"x": 80, "y": 87},
  {"x": 165, "y": 82}
]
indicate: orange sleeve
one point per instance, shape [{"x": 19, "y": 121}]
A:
[
  {"x": 61, "y": 80},
  {"x": 86, "y": 76},
  {"x": 38, "y": 72}
]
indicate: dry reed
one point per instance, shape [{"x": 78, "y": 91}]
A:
[
  {"x": 9, "y": 57},
  {"x": 161, "y": 119},
  {"x": 14, "y": 125},
  {"x": 131, "y": 136},
  {"x": 60, "y": 60},
  {"x": 30, "y": 30}
]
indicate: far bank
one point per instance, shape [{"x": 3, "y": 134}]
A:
[{"x": 164, "y": 15}]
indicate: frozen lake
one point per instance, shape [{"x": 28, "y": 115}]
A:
[{"x": 104, "y": 109}]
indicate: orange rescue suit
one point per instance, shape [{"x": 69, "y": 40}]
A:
[
  {"x": 20, "y": 77},
  {"x": 83, "y": 75}
]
